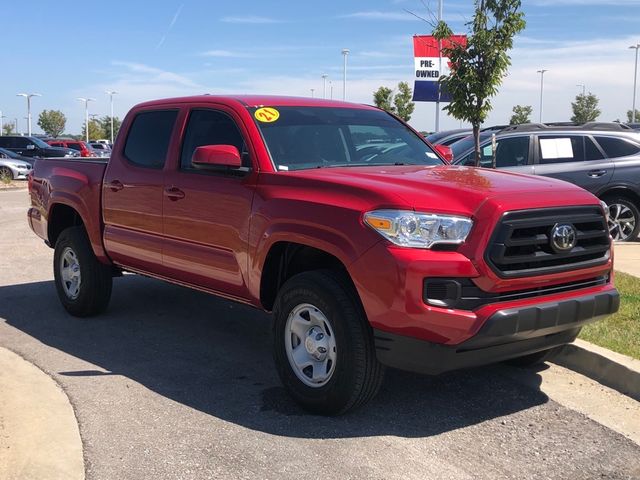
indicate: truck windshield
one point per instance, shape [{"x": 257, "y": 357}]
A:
[{"x": 317, "y": 137}]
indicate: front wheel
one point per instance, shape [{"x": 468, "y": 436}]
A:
[
  {"x": 624, "y": 219},
  {"x": 323, "y": 345},
  {"x": 83, "y": 283},
  {"x": 5, "y": 172}
]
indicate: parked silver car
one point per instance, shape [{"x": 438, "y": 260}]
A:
[
  {"x": 13, "y": 166},
  {"x": 101, "y": 149}
]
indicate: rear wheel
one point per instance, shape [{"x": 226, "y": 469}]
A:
[
  {"x": 323, "y": 345},
  {"x": 624, "y": 218},
  {"x": 83, "y": 283}
]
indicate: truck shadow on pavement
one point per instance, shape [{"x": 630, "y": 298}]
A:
[{"x": 215, "y": 356}]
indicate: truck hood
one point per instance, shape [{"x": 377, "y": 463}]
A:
[{"x": 454, "y": 189}]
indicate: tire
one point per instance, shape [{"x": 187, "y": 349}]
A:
[
  {"x": 5, "y": 172},
  {"x": 323, "y": 307},
  {"x": 83, "y": 283},
  {"x": 624, "y": 218},
  {"x": 534, "y": 359}
]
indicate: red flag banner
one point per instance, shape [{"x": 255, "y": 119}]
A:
[{"x": 430, "y": 65}]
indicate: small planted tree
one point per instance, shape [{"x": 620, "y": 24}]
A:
[
  {"x": 52, "y": 122},
  {"x": 585, "y": 108},
  {"x": 521, "y": 114},
  {"x": 383, "y": 98},
  {"x": 477, "y": 69},
  {"x": 8, "y": 128},
  {"x": 95, "y": 130},
  {"x": 399, "y": 104},
  {"x": 630, "y": 116}
]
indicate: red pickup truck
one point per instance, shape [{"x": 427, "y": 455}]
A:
[{"x": 344, "y": 223}]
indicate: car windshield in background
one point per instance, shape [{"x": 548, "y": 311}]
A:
[
  {"x": 303, "y": 137},
  {"x": 461, "y": 146},
  {"x": 40, "y": 143}
]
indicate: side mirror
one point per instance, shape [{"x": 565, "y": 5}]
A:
[
  {"x": 31, "y": 146},
  {"x": 445, "y": 152},
  {"x": 215, "y": 156}
]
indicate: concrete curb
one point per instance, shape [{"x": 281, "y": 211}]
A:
[
  {"x": 39, "y": 435},
  {"x": 609, "y": 368}
]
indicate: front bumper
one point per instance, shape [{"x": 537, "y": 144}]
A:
[{"x": 507, "y": 333}]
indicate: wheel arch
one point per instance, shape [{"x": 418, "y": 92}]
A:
[{"x": 286, "y": 259}]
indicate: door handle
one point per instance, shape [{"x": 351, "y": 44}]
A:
[
  {"x": 596, "y": 173},
  {"x": 116, "y": 185},
  {"x": 173, "y": 193}
]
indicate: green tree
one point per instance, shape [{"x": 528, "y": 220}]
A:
[
  {"x": 52, "y": 122},
  {"x": 105, "y": 123},
  {"x": 8, "y": 128},
  {"x": 630, "y": 116},
  {"x": 521, "y": 114},
  {"x": 95, "y": 130},
  {"x": 402, "y": 101},
  {"x": 585, "y": 108},
  {"x": 399, "y": 104},
  {"x": 477, "y": 69},
  {"x": 383, "y": 98}
]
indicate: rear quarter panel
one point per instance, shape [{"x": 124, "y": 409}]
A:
[{"x": 74, "y": 183}]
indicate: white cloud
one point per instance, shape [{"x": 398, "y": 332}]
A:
[
  {"x": 219, "y": 53},
  {"x": 249, "y": 19},
  {"x": 380, "y": 15}
]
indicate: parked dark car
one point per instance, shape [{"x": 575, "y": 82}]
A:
[
  {"x": 601, "y": 158},
  {"x": 448, "y": 137},
  {"x": 34, "y": 147}
]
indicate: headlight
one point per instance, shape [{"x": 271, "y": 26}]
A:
[{"x": 418, "y": 230}]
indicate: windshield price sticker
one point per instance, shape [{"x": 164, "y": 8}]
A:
[{"x": 267, "y": 114}]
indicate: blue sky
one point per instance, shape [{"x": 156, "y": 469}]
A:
[{"x": 67, "y": 49}]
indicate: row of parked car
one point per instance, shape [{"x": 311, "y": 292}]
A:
[
  {"x": 603, "y": 158},
  {"x": 17, "y": 152}
]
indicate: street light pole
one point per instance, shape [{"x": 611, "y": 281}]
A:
[
  {"x": 541, "y": 72},
  {"x": 28, "y": 97},
  {"x": 86, "y": 115},
  {"x": 330, "y": 89},
  {"x": 1, "y": 118},
  {"x": 324, "y": 85},
  {"x": 584, "y": 87},
  {"x": 111, "y": 93},
  {"x": 635, "y": 82},
  {"x": 345, "y": 53},
  {"x": 312, "y": 90},
  {"x": 439, "y": 70}
]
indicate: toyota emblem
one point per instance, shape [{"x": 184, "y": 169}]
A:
[{"x": 563, "y": 237}]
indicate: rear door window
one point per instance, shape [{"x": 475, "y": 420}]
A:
[
  {"x": 591, "y": 150},
  {"x": 617, "y": 147},
  {"x": 561, "y": 148},
  {"x": 149, "y": 137}
]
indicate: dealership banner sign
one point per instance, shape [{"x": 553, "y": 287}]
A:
[{"x": 429, "y": 68}]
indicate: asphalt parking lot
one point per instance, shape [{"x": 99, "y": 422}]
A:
[{"x": 175, "y": 384}]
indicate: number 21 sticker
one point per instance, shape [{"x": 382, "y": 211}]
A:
[{"x": 267, "y": 114}]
